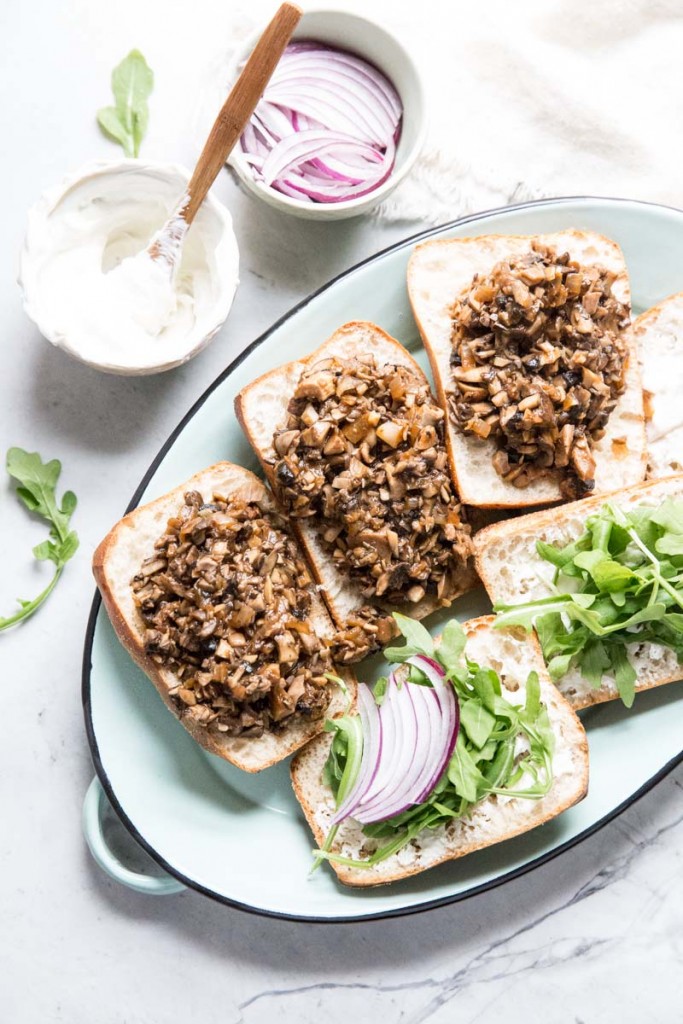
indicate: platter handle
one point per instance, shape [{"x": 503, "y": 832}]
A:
[{"x": 94, "y": 807}]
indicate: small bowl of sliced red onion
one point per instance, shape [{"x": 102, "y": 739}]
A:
[{"x": 340, "y": 124}]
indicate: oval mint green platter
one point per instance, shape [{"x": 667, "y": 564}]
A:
[{"x": 221, "y": 831}]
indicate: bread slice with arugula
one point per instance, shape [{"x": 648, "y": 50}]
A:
[
  {"x": 208, "y": 591},
  {"x": 514, "y": 756},
  {"x": 658, "y": 334},
  {"x": 352, "y": 442},
  {"x": 506, "y": 451},
  {"x": 601, "y": 580}
]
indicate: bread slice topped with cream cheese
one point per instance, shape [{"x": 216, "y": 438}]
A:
[
  {"x": 600, "y": 580},
  {"x": 352, "y": 442},
  {"x": 209, "y": 592},
  {"x": 463, "y": 764},
  {"x": 526, "y": 342},
  {"x": 658, "y": 335}
]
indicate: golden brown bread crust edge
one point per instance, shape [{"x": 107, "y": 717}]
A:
[
  {"x": 130, "y": 641},
  {"x": 439, "y": 384},
  {"x": 354, "y": 877},
  {"x": 499, "y": 532},
  {"x": 415, "y": 611}
]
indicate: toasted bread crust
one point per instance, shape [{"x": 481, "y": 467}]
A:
[
  {"x": 309, "y": 761},
  {"x": 115, "y": 561}
]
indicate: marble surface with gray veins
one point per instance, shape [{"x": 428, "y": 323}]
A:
[{"x": 592, "y": 937}]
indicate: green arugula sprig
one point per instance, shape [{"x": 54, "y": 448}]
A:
[
  {"x": 36, "y": 488},
  {"x": 619, "y": 583},
  {"x": 132, "y": 82},
  {"x": 487, "y": 758}
]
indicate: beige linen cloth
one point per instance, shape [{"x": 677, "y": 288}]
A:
[{"x": 533, "y": 98}]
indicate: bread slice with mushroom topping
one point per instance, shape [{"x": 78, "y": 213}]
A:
[
  {"x": 209, "y": 592},
  {"x": 351, "y": 440},
  {"x": 441, "y": 273}
]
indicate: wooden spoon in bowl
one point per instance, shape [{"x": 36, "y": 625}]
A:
[{"x": 227, "y": 128}]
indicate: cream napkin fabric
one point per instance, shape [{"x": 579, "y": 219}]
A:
[{"x": 532, "y": 98}]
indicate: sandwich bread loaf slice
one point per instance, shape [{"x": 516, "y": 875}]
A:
[
  {"x": 262, "y": 407},
  {"x": 438, "y": 272},
  {"x": 658, "y": 334},
  {"x": 117, "y": 560},
  {"x": 496, "y": 818},
  {"x": 513, "y": 572}
]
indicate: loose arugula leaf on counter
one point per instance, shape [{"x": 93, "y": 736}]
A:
[
  {"x": 36, "y": 489},
  {"x": 132, "y": 82},
  {"x": 619, "y": 583}
]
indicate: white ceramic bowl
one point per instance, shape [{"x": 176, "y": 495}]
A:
[
  {"x": 375, "y": 44},
  {"x": 152, "y": 190}
]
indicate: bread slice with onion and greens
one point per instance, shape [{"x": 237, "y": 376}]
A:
[
  {"x": 524, "y": 335},
  {"x": 658, "y": 335},
  {"x": 352, "y": 442},
  {"x": 209, "y": 592},
  {"x": 601, "y": 580},
  {"x": 485, "y": 748}
]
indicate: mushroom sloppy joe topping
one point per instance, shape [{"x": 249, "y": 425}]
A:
[
  {"x": 538, "y": 363},
  {"x": 225, "y": 600},
  {"x": 363, "y": 454}
]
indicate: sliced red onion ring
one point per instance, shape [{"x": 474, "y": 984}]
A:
[
  {"x": 360, "y": 67},
  {"x": 372, "y": 751},
  {"x": 397, "y": 727},
  {"x": 450, "y": 714},
  {"x": 326, "y": 128},
  {"x": 296, "y": 149},
  {"x": 418, "y": 727}
]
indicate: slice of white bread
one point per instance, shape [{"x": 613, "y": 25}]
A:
[
  {"x": 261, "y": 408},
  {"x": 658, "y": 334},
  {"x": 513, "y": 572},
  {"x": 438, "y": 272},
  {"x": 513, "y": 656},
  {"x": 118, "y": 559}
]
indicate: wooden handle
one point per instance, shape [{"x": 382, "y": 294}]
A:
[{"x": 240, "y": 104}]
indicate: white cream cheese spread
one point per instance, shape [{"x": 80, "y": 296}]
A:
[{"x": 91, "y": 286}]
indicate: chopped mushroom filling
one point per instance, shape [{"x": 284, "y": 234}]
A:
[
  {"x": 538, "y": 364},
  {"x": 225, "y": 600},
  {"x": 363, "y": 455}
]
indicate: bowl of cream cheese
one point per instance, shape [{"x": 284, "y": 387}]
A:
[{"x": 89, "y": 295}]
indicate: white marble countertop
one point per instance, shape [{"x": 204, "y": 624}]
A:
[{"x": 593, "y": 936}]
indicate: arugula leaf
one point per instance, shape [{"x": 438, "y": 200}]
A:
[
  {"x": 451, "y": 648},
  {"x": 669, "y": 515},
  {"x": 626, "y": 573},
  {"x": 498, "y": 771},
  {"x": 36, "y": 489},
  {"x": 624, "y": 675},
  {"x": 379, "y": 690},
  {"x": 132, "y": 82},
  {"x": 418, "y": 640},
  {"x": 463, "y": 772},
  {"x": 477, "y": 722},
  {"x": 554, "y": 555},
  {"x": 594, "y": 662},
  {"x": 532, "y": 705},
  {"x": 486, "y": 685}
]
